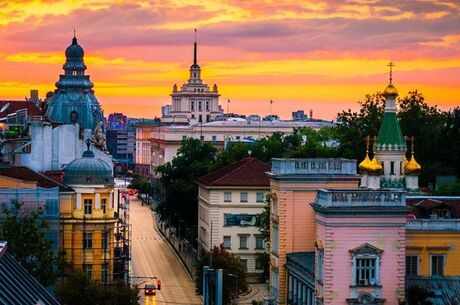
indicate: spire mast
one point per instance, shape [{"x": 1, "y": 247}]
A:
[
  {"x": 194, "y": 51},
  {"x": 391, "y": 65}
]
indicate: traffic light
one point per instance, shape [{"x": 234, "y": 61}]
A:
[{"x": 158, "y": 284}]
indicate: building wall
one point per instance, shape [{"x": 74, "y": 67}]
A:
[
  {"x": 74, "y": 223},
  {"x": 425, "y": 243},
  {"x": 212, "y": 208},
  {"x": 384, "y": 233},
  {"x": 296, "y": 220}
]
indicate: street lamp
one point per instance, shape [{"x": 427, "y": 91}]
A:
[{"x": 236, "y": 283}]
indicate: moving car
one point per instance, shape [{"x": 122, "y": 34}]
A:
[{"x": 150, "y": 289}]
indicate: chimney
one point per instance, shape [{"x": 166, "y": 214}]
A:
[{"x": 34, "y": 95}]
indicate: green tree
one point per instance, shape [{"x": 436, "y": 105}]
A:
[
  {"x": 78, "y": 289},
  {"x": 449, "y": 190},
  {"x": 264, "y": 229},
  {"x": 193, "y": 160},
  {"x": 24, "y": 229},
  {"x": 230, "y": 264}
]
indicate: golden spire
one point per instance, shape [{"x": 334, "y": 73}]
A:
[
  {"x": 365, "y": 165},
  {"x": 404, "y": 156},
  {"x": 412, "y": 168},
  {"x": 375, "y": 167},
  {"x": 390, "y": 91}
]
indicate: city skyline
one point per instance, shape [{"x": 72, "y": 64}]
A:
[{"x": 323, "y": 56}]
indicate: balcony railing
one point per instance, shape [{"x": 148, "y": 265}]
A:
[
  {"x": 433, "y": 225},
  {"x": 313, "y": 166},
  {"x": 360, "y": 198}
]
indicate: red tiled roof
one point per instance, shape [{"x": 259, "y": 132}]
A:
[
  {"x": 14, "y": 106},
  {"x": 247, "y": 172},
  {"x": 26, "y": 174}
]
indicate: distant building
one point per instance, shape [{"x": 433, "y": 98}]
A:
[
  {"x": 194, "y": 101},
  {"x": 117, "y": 120},
  {"x": 17, "y": 286},
  {"x": 299, "y": 115},
  {"x": 157, "y": 144},
  {"x": 121, "y": 139},
  {"x": 230, "y": 202}
]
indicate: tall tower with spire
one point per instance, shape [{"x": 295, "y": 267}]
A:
[
  {"x": 73, "y": 100},
  {"x": 195, "y": 101},
  {"x": 389, "y": 167}
]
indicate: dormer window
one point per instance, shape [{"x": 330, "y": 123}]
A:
[{"x": 440, "y": 213}]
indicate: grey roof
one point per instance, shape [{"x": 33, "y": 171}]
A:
[
  {"x": 446, "y": 289},
  {"x": 88, "y": 170},
  {"x": 302, "y": 265},
  {"x": 19, "y": 287}
]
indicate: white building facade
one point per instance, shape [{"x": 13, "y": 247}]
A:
[{"x": 229, "y": 214}]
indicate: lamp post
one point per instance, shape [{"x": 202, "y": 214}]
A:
[{"x": 236, "y": 283}]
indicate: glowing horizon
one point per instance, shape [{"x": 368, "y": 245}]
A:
[{"x": 320, "y": 55}]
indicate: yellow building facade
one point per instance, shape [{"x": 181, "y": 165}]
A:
[{"x": 88, "y": 218}]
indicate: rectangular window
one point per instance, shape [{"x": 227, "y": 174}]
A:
[
  {"x": 392, "y": 168},
  {"x": 105, "y": 273},
  {"x": 208, "y": 118},
  {"x": 105, "y": 240},
  {"x": 200, "y": 105},
  {"x": 88, "y": 269},
  {"x": 200, "y": 118},
  {"x": 87, "y": 241},
  {"x": 437, "y": 265},
  {"x": 207, "y": 105},
  {"x": 237, "y": 137},
  {"x": 214, "y": 139},
  {"x": 243, "y": 242},
  {"x": 259, "y": 264},
  {"x": 104, "y": 205},
  {"x": 244, "y": 263},
  {"x": 201, "y": 138},
  {"x": 51, "y": 207},
  {"x": 192, "y": 105},
  {"x": 227, "y": 197},
  {"x": 320, "y": 264},
  {"x": 275, "y": 237},
  {"x": 184, "y": 137},
  {"x": 412, "y": 265},
  {"x": 88, "y": 206},
  {"x": 259, "y": 242},
  {"x": 260, "y": 197},
  {"x": 227, "y": 242},
  {"x": 243, "y": 197},
  {"x": 366, "y": 271}
]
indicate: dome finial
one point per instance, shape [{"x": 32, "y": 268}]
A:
[
  {"x": 412, "y": 168},
  {"x": 88, "y": 144},
  {"x": 365, "y": 167},
  {"x": 194, "y": 51}
]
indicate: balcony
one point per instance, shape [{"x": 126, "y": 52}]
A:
[
  {"x": 313, "y": 167},
  {"x": 360, "y": 198},
  {"x": 440, "y": 225}
]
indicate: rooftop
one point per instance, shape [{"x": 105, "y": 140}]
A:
[
  {"x": 14, "y": 106},
  {"x": 247, "y": 172},
  {"x": 360, "y": 198},
  {"x": 17, "y": 285},
  {"x": 316, "y": 166},
  {"x": 26, "y": 174},
  {"x": 446, "y": 289}
]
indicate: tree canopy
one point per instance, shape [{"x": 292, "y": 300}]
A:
[{"x": 24, "y": 230}]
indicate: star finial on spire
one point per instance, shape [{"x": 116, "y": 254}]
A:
[{"x": 391, "y": 65}]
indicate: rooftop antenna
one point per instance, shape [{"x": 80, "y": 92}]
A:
[
  {"x": 5, "y": 107},
  {"x": 74, "y": 32}
]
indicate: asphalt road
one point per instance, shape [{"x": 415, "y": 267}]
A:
[{"x": 152, "y": 257}]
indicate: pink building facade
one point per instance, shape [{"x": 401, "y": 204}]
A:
[{"x": 360, "y": 247}]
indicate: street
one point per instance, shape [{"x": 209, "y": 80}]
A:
[{"x": 152, "y": 257}]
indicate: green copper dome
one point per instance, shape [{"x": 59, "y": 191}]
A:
[
  {"x": 88, "y": 170},
  {"x": 73, "y": 100}
]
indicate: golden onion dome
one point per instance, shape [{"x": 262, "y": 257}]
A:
[
  {"x": 412, "y": 168},
  {"x": 390, "y": 91},
  {"x": 375, "y": 167},
  {"x": 365, "y": 165}
]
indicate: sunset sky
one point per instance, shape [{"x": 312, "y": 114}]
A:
[{"x": 320, "y": 55}]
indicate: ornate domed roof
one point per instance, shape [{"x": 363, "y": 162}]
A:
[
  {"x": 365, "y": 165},
  {"x": 375, "y": 167},
  {"x": 412, "y": 168},
  {"x": 390, "y": 91},
  {"x": 88, "y": 170},
  {"x": 74, "y": 51}
]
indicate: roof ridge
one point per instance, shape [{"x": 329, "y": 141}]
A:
[
  {"x": 242, "y": 161},
  {"x": 52, "y": 180}
]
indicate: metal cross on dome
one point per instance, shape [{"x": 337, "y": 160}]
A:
[{"x": 391, "y": 65}]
